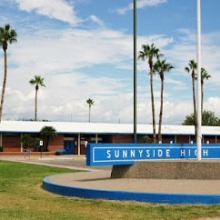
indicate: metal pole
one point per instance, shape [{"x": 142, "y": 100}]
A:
[
  {"x": 199, "y": 113},
  {"x": 135, "y": 69}
]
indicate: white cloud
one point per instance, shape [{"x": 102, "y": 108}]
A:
[
  {"x": 141, "y": 4},
  {"x": 66, "y": 59},
  {"x": 58, "y": 9},
  {"x": 213, "y": 104},
  {"x": 97, "y": 20},
  {"x": 50, "y": 51}
]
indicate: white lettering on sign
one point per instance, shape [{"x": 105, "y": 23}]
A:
[
  {"x": 108, "y": 154},
  {"x": 151, "y": 153},
  {"x": 116, "y": 154},
  {"x": 167, "y": 153},
  {"x": 137, "y": 153},
  {"x": 125, "y": 154},
  {"x": 205, "y": 153},
  {"x": 140, "y": 152},
  {"x": 160, "y": 153},
  {"x": 132, "y": 153}
]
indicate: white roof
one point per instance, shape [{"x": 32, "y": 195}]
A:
[{"x": 100, "y": 128}]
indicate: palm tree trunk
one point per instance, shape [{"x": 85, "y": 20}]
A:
[
  {"x": 194, "y": 106},
  {"x": 153, "y": 107},
  {"x": 161, "y": 111},
  {"x": 202, "y": 96},
  {"x": 4, "y": 84},
  {"x": 35, "y": 114},
  {"x": 89, "y": 113}
]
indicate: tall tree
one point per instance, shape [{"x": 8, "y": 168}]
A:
[
  {"x": 161, "y": 67},
  {"x": 149, "y": 52},
  {"x": 204, "y": 76},
  {"x": 47, "y": 133},
  {"x": 90, "y": 102},
  {"x": 208, "y": 119},
  {"x": 7, "y": 36},
  {"x": 37, "y": 81},
  {"x": 191, "y": 69}
]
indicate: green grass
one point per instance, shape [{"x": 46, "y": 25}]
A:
[{"x": 21, "y": 197}]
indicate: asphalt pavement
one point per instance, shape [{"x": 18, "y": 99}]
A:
[{"x": 66, "y": 161}]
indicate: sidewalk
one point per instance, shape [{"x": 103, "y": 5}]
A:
[{"x": 25, "y": 157}]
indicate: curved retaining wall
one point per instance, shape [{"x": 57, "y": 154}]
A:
[
  {"x": 191, "y": 169},
  {"x": 127, "y": 195}
]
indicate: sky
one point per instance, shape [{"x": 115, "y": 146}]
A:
[{"x": 84, "y": 49}]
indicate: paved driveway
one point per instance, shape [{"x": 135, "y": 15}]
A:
[{"x": 68, "y": 161}]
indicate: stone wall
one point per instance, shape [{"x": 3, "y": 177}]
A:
[{"x": 190, "y": 169}]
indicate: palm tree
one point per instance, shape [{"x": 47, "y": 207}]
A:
[
  {"x": 149, "y": 52},
  {"x": 191, "y": 69},
  {"x": 37, "y": 81},
  {"x": 204, "y": 76},
  {"x": 7, "y": 35},
  {"x": 90, "y": 102},
  {"x": 161, "y": 67},
  {"x": 47, "y": 133}
]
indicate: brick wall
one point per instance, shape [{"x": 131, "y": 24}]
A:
[
  {"x": 211, "y": 139},
  {"x": 182, "y": 139},
  {"x": 121, "y": 139},
  {"x": 56, "y": 143},
  {"x": 11, "y": 143}
]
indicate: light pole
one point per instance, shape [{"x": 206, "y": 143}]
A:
[
  {"x": 135, "y": 69},
  {"x": 199, "y": 113}
]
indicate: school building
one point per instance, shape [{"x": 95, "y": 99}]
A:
[{"x": 72, "y": 136}]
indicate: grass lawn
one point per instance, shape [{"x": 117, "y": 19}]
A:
[{"x": 21, "y": 197}]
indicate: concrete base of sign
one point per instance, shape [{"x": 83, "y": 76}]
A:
[{"x": 187, "y": 169}]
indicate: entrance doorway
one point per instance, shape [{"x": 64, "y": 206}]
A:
[{"x": 69, "y": 146}]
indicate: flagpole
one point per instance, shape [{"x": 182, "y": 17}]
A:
[
  {"x": 135, "y": 70},
  {"x": 199, "y": 113}
]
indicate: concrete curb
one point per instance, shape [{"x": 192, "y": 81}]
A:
[{"x": 91, "y": 193}]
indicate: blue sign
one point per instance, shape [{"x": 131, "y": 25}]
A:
[{"x": 127, "y": 154}]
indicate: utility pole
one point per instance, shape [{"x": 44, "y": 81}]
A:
[
  {"x": 135, "y": 69},
  {"x": 199, "y": 113}
]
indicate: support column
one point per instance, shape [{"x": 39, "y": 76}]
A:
[
  {"x": 21, "y": 143},
  {"x": 175, "y": 139},
  {"x": 96, "y": 138},
  {"x": 78, "y": 144},
  {"x": 1, "y": 140}
]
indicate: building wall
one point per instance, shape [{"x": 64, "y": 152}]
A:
[
  {"x": 11, "y": 143},
  {"x": 121, "y": 139},
  {"x": 182, "y": 139},
  {"x": 166, "y": 139},
  {"x": 210, "y": 139},
  {"x": 56, "y": 143}
]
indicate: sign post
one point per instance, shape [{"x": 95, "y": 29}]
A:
[{"x": 41, "y": 143}]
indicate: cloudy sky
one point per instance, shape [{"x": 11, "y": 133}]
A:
[{"x": 84, "y": 49}]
